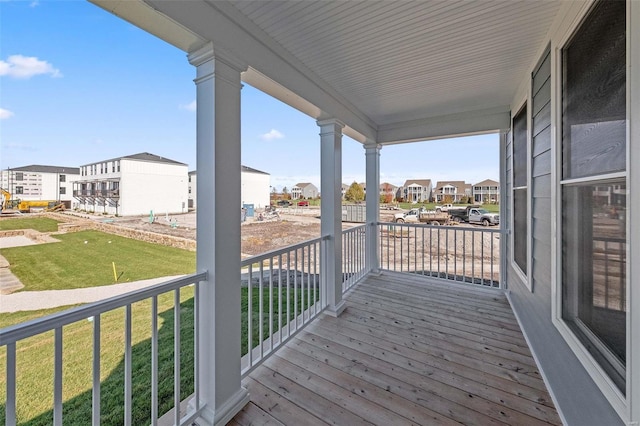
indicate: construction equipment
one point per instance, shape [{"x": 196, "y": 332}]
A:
[
  {"x": 5, "y": 200},
  {"x": 57, "y": 207},
  {"x": 25, "y": 206}
]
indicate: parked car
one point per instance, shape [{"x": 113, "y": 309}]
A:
[
  {"x": 303, "y": 203},
  {"x": 284, "y": 203}
]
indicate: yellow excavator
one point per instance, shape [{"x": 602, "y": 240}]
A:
[
  {"x": 5, "y": 201},
  {"x": 25, "y": 206}
]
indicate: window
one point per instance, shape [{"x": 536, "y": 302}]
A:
[
  {"x": 520, "y": 193},
  {"x": 19, "y": 176},
  {"x": 63, "y": 178},
  {"x": 63, "y": 190},
  {"x": 19, "y": 190},
  {"x": 593, "y": 187}
]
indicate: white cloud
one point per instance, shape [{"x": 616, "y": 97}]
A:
[
  {"x": 273, "y": 134},
  {"x": 190, "y": 106},
  {"x": 18, "y": 146},
  {"x": 5, "y": 113},
  {"x": 18, "y": 66},
  {"x": 34, "y": 3}
]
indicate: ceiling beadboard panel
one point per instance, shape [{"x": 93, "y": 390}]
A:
[{"x": 405, "y": 60}]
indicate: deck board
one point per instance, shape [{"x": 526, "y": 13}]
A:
[{"x": 406, "y": 350}]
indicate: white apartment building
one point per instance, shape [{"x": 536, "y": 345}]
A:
[
  {"x": 37, "y": 182},
  {"x": 254, "y": 187},
  {"x": 133, "y": 185}
]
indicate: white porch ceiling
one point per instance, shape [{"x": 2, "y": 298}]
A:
[
  {"x": 432, "y": 64},
  {"x": 399, "y": 61}
]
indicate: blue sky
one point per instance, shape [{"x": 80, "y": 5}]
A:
[{"x": 79, "y": 85}]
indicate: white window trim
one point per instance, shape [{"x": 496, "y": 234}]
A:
[
  {"x": 621, "y": 404},
  {"x": 524, "y": 276}
]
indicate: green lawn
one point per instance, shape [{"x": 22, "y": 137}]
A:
[
  {"x": 35, "y": 360},
  {"x": 84, "y": 259},
  {"x": 42, "y": 224}
]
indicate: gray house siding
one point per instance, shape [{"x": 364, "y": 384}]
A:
[{"x": 579, "y": 400}]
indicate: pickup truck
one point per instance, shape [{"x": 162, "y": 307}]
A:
[
  {"x": 443, "y": 208},
  {"x": 474, "y": 214},
  {"x": 421, "y": 215}
]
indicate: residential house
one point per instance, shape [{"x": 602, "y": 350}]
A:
[
  {"x": 304, "y": 190},
  {"x": 37, "y": 182},
  {"x": 254, "y": 187},
  {"x": 417, "y": 190},
  {"x": 534, "y": 74},
  {"x": 487, "y": 191},
  {"x": 388, "y": 190},
  {"x": 344, "y": 188},
  {"x": 453, "y": 190},
  {"x": 133, "y": 185}
]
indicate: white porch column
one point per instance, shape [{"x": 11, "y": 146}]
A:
[
  {"x": 218, "y": 240},
  {"x": 331, "y": 212},
  {"x": 372, "y": 153}
]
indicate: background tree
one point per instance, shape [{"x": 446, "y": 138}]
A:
[
  {"x": 285, "y": 194},
  {"x": 355, "y": 193}
]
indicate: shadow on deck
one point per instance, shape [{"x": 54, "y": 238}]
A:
[{"x": 407, "y": 350}]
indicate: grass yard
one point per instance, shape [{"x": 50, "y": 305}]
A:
[
  {"x": 35, "y": 360},
  {"x": 84, "y": 259},
  {"x": 35, "y": 366},
  {"x": 41, "y": 224}
]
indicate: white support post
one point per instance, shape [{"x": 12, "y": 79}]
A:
[
  {"x": 331, "y": 212},
  {"x": 218, "y": 241},
  {"x": 372, "y": 153}
]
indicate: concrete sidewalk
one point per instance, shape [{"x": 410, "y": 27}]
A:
[{"x": 35, "y": 300}]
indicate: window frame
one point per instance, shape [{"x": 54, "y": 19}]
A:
[
  {"x": 619, "y": 402},
  {"x": 524, "y": 276}
]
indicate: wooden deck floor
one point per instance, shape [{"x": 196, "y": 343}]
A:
[{"x": 406, "y": 350}]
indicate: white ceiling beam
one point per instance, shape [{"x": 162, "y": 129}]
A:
[
  {"x": 144, "y": 16},
  {"x": 453, "y": 125}
]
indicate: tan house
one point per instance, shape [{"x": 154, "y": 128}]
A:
[
  {"x": 417, "y": 190},
  {"x": 487, "y": 191},
  {"x": 451, "y": 191}
]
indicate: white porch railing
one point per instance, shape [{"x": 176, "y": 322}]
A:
[
  {"x": 156, "y": 353},
  {"x": 282, "y": 293},
  {"x": 470, "y": 255},
  {"x": 354, "y": 242}
]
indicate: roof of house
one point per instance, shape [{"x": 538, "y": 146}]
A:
[
  {"x": 460, "y": 184},
  {"x": 37, "y": 168},
  {"x": 143, "y": 156},
  {"x": 252, "y": 170},
  {"x": 243, "y": 168},
  {"x": 487, "y": 182},
  {"x": 421, "y": 182},
  {"x": 388, "y": 186},
  {"x": 303, "y": 185}
]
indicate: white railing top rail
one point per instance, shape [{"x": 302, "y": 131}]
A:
[
  {"x": 37, "y": 326},
  {"x": 257, "y": 258},
  {"x": 355, "y": 228},
  {"x": 487, "y": 229}
]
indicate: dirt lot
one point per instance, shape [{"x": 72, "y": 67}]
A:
[
  {"x": 294, "y": 225},
  {"x": 445, "y": 250}
]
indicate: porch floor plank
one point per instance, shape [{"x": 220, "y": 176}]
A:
[{"x": 406, "y": 350}]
